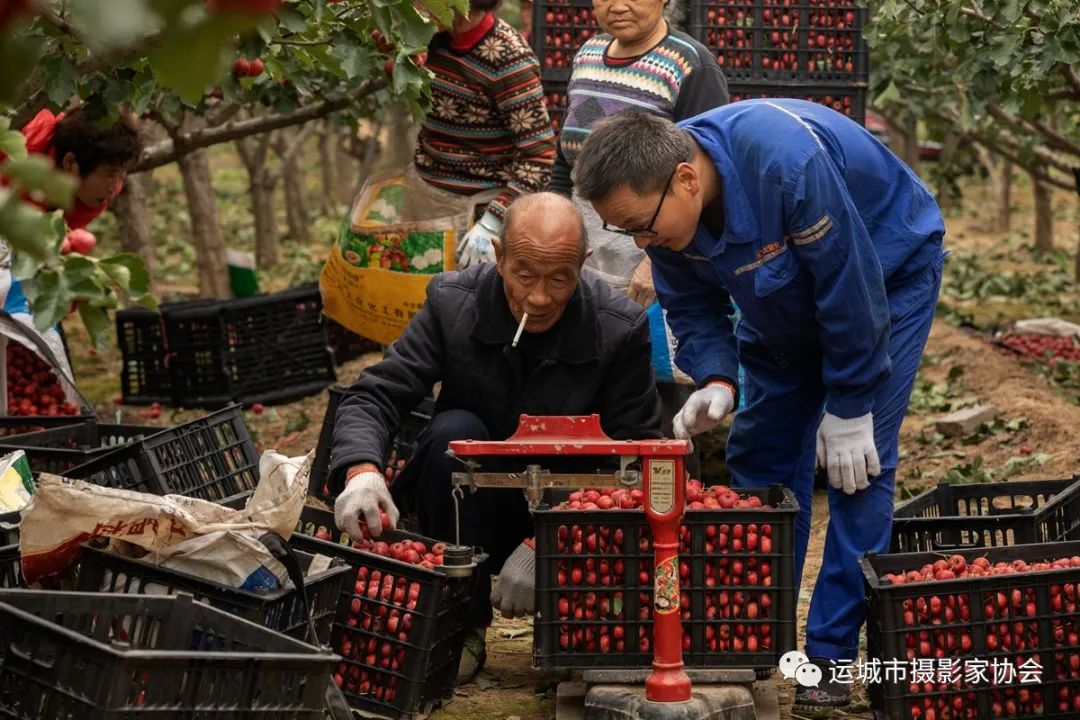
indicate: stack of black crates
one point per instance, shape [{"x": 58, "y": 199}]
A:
[{"x": 809, "y": 49}]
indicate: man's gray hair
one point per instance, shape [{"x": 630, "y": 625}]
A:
[
  {"x": 631, "y": 148},
  {"x": 524, "y": 202}
]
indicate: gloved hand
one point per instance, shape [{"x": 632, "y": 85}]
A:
[
  {"x": 846, "y": 448},
  {"x": 476, "y": 246},
  {"x": 364, "y": 494},
  {"x": 703, "y": 410},
  {"x": 514, "y": 594}
]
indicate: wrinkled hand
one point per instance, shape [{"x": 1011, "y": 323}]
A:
[
  {"x": 641, "y": 284},
  {"x": 476, "y": 247},
  {"x": 514, "y": 594},
  {"x": 364, "y": 495},
  {"x": 846, "y": 449},
  {"x": 703, "y": 410}
]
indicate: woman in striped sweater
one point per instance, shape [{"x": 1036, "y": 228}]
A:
[
  {"x": 638, "y": 62},
  {"x": 488, "y": 130}
]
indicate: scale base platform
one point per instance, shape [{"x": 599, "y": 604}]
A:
[{"x": 620, "y": 695}]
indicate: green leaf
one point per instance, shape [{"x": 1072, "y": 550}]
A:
[
  {"x": 129, "y": 273},
  {"x": 298, "y": 423},
  {"x": 18, "y": 58},
  {"x": 51, "y": 300},
  {"x": 96, "y": 321},
  {"x": 25, "y": 227},
  {"x": 63, "y": 78},
  {"x": 23, "y": 266},
  {"x": 78, "y": 269},
  {"x": 36, "y": 174},
  {"x": 354, "y": 59},
  {"x": 12, "y": 143},
  {"x": 292, "y": 20},
  {"x": 190, "y": 58}
]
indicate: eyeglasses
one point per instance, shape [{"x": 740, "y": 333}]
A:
[{"x": 646, "y": 231}]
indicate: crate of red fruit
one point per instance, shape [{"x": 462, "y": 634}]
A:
[
  {"x": 266, "y": 348},
  {"x": 107, "y": 657},
  {"x": 809, "y": 41},
  {"x": 212, "y": 457},
  {"x": 1050, "y": 349},
  {"x": 950, "y": 517},
  {"x": 985, "y": 633},
  {"x": 402, "y": 616},
  {"x": 847, "y": 101},
  {"x": 594, "y": 560},
  {"x": 34, "y": 393},
  {"x": 281, "y": 610},
  {"x": 557, "y": 101},
  {"x": 560, "y": 28},
  {"x": 57, "y": 450}
]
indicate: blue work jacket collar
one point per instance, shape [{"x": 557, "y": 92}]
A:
[{"x": 740, "y": 223}]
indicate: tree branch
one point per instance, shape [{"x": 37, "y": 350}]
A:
[
  {"x": 300, "y": 43},
  {"x": 1053, "y": 138},
  {"x": 1063, "y": 94},
  {"x": 1072, "y": 78},
  {"x": 169, "y": 151}
]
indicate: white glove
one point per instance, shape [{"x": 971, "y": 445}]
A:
[
  {"x": 515, "y": 592},
  {"x": 846, "y": 448},
  {"x": 363, "y": 496},
  {"x": 476, "y": 247},
  {"x": 703, "y": 410}
]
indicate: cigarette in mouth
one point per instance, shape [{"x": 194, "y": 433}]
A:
[{"x": 521, "y": 329}]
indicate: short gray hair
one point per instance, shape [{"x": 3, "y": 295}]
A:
[
  {"x": 631, "y": 148},
  {"x": 544, "y": 198}
]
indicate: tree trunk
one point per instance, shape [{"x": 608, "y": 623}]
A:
[
  {"x": 345, "y": 166},
  {"x": 1044, "y": 217},
  {"x": 904, "y": 142},
  {"x": 206, "y": 232},
  {"x": 1003, "y": 176},
  {"x": 133, "y": 219},
  {"x": 946, "y": 197},
  {"x": 402, "y": 136},
  {"x": 296, "y": 209},
  {"x": 266, "y": 232},
  {"x": 328, "y": 166}
]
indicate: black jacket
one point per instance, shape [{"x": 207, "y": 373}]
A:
[{"x": 596, "y": 359}]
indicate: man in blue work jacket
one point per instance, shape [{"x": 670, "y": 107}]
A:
[{"x": 832, "y": 249}]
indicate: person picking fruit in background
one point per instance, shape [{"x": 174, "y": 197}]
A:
[
  {"x": 585, "y": 349},
  {"x": 488, "y": 134},
  {"x": 98, "y": 155},
  {"x": 638, "y": 61},
  {"x": 832, "y": 249}
]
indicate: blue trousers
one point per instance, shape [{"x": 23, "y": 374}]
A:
[{"x": 773, "y": 440}]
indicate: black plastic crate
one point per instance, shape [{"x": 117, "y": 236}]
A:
[
  {"x": 144, "y": 368},
  {"x": 560, "y": 28},
  {"x": 404, "y": 442},
  {"x": 345, "y": 344},
  {"x": 950, "y": 517},
  {"x": 211, "y": 458},
  {"x": 68, "y": 656},
  {"x": 21, "y": 424},
  {"x": 11, "y": 566},
  {"x": 557, "y": 101},
  {"x": 430, "y": 627},
  {"x": 267, "y": 348},
  {"x": 813, "y": 41},
  {"x": 967, "y": 620},
  {"x": 57, "y": 450},
  {"x": 615, "y": 545},
  {"x": 281, "y": 610},
  {"x": 848, "y": 101}
]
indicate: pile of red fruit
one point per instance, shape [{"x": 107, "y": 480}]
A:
[
  {"x": 1047, "y": 348},
  {"x": 946, "y": 624},
  {"x": 598, "y": 571},
  {"x": 32, "y": 386},
  {"x": 839, "y": 103},
  {"x": 556, "y": 106},
  {"x": 826, "y": 41},
  {"x": 565, "y": 30}
]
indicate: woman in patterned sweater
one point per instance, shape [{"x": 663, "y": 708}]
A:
[
  {"x": 488, "y": 129},
  {"x": 638, "y": 62}
]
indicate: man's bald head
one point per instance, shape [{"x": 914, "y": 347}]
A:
[
  {"x": 539, "y": 254},
  {"x": 548, "y": 220}
]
